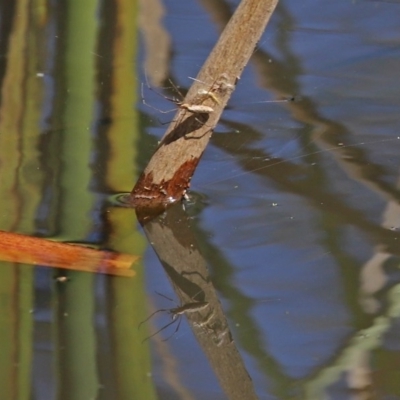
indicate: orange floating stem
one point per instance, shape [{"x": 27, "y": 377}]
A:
[{"x": 15, "y": 247}]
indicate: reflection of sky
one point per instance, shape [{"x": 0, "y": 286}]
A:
[
  {"x": 348, "y": 67},
  {"x": 305, "y": 322},
  {"x": 276, "y": 255}
]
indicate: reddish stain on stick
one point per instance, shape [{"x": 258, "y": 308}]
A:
[{"x": 149, "y": 194}]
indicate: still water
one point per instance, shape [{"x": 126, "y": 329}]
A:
[{"x": 293, "y": 208}]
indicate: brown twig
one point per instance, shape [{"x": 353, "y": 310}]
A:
[
  {"x": 19, "y": 248},
  {"x": 168, "y": 173}
]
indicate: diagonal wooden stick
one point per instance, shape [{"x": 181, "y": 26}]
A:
[
  {"x": 19, "y": 248},
  {"x": 168, "y": 173}
]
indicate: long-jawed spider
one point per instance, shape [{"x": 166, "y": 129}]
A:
[{"x": 193, "y": 108}]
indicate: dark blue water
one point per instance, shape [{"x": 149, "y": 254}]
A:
[{"x": 294, "y": 197}]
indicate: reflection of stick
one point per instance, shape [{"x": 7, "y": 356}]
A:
[
  {"x": 173, "y": 240},
  {"x": 168, "y": 174},
  {"x": 19, "y": 248}
]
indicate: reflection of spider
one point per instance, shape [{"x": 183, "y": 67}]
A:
[{"x": 176, "y": 314}]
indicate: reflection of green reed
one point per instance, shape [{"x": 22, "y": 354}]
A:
[
  {"x": 77, "y": 369},
  {"x": 355, "y": 357},
  {"x": 76, "y": 347},
  {"x": 20, "y": 181},
  {"x": 75, "y": 337},
  {"x": 132, "y": 361}
]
